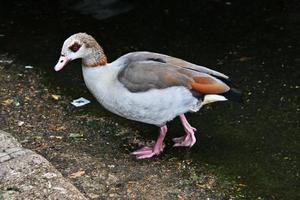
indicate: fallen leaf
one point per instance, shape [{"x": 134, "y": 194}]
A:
[
  {"x": 57, "y": 128},
  {"x": 244, "y": 59},
  {"x": 56, "y": 137},
  {"x": 180, "y": 197},
  {"x": 77, "y": 174},
  {"x": 56, "y": 97},
  {"x": 61, "y": 128},
  {"x": 75, "y": 135},
  {"x": 7, "y": 102},
  {"x": 27, "y": 98},
  {"x": 42, "y": 146}
]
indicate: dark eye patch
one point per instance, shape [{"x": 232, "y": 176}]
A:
[{"x": 75, "y": 47}]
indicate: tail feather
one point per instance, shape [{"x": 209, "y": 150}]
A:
[{"x": 234, "y": 94}]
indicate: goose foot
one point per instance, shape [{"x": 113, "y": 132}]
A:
[
  {"x": 189, "y": 139},
  {"x": 148, "y": 152}
]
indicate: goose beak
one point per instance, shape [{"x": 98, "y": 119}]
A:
[{"x": 62, "y": 61}]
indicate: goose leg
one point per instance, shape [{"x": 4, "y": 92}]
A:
[
  {"x": 189, "y": 139},
  {"x": 148, "y": 152}
]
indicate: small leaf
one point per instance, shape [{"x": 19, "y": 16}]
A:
[
  {"x": 77, "y": 174},
  {"x": 56, "y": 97},
  {"x": 7, "y": 102},
  {"x": 56, "y": 137},
  {"x": 75, "y": 135}
]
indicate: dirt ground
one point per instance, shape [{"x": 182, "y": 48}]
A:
[{"x": 93, "y": 152}]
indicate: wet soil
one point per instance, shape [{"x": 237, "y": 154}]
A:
[
  {"x": 93, "y": 151},
  {"x": 249, "y": 149}
]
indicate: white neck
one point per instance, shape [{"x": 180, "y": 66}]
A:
[{"x": 100, "y": 80}]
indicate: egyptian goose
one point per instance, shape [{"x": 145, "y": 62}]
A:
[{"x": 148, "y": 87}]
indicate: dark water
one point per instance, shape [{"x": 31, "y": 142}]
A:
[{"x": 255, "y": 42}]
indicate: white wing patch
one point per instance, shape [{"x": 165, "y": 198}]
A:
[{"x": 210, "y": 98}]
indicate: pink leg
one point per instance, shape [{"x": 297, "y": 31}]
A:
[
  {"x": 148, "y": 152},
  {"x": 189, "y": 139}
]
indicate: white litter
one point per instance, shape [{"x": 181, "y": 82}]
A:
[
  {"x": 80, "y": 102},
  {"x": 5, "y": 61},
  {"x": 20, "y": 123},
  {"x": 28, "y": 67}
]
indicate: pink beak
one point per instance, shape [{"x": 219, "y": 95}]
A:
[{"x": 62, "y": 61}]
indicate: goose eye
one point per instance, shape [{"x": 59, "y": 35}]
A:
[{"x": 75, "y": 47}]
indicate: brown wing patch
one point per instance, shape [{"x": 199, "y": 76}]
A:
[
  {"x": 209, "y": 85},
  {"x": 140, "y": 76},
  {"x": 143, "y": 76}
]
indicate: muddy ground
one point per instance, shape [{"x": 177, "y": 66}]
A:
[
  {"x": 93, "y": 152},
  {"x": 249, "y": 149}
]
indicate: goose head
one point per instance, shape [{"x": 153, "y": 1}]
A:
[{"x": 84, "y": 46}]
